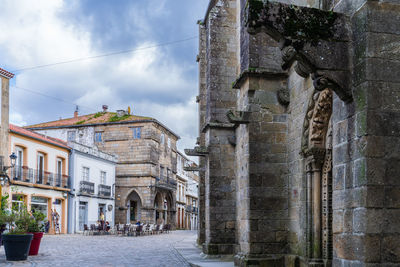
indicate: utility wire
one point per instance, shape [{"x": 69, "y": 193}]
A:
[
  {"x": 52, "y": 97},
  {"x": 103, "y": 55}
]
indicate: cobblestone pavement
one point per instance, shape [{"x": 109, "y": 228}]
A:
[{"x": 104, "y": 251}]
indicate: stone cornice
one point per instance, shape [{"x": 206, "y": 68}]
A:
[
  {"x": 257, "y": 73},
  {"x": 216, "y": 125},
  {"x": 318, "y": 40}
]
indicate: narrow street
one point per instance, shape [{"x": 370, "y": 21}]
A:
[{"x": 110, "y": 250}]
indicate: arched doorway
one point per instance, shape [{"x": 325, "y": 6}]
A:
[
  {"x": 158, "y": 208},
  {"x": 317, "y": 152},
  {"x": 134, "y": 204}
]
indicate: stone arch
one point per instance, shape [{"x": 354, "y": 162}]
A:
[
  {"x": 158, "y": 207},
  {"x": 134, "y": 202},
  {"x": 317, "y": 152}
]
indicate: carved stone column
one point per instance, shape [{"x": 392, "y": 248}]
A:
[{"x": 314, "y": 209}]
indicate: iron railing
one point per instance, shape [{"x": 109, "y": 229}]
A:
[
  {"x": 104, "y": 190},
  {"x": 29, "y": 175},
  {"x": 86, "y": 187},
  {"x": 166, "y": 183}
]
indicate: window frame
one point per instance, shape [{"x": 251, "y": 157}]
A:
[
  {"x": 136, "y": 132},
  {"x": 83, "y": 174}
]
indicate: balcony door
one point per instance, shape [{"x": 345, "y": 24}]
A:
[
  {"x": 40, "y": 168},
  {"x": 19, "y": 163},
  {"x": 59, "y": 172}
]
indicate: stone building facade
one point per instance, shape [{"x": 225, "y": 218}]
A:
[
  {"x": 145, "y": 181},
  {"x": 299, "y": 132},
  {"x": 187, "y": 193}
]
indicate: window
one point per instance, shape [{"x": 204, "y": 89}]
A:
[
  {"x": 59, "y": 171},
  {"x": 20, "y": 162},
  {"x": 39, "y": 204},
  {"x": 98, "y": 136},
  {"x": 71, "y": 136},
  {"x": 17, "y": 202},
  {"x": 162, "y": 138},
  {"x": 40, "y": 168},
  {"x": 137, "y": 132},
  {"x": 103, "y": 177},
  {"x": 169, "y": 143},
  {"x": 161, "y": 172},
  {"x": 85, "y": 173}
]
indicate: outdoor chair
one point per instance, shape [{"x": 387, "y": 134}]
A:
[
  {"x": 85, "y": 229},
  {"x": 146, "y": 229},
  {"x": 139, "y": 230},
  {"x": 156, "y": 229}
]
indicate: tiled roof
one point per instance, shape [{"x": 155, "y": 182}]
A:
[
  {"x": 95, "y": 118},
  {"x": 6, "y": 74},
  {"x": 40, "y": 137}
]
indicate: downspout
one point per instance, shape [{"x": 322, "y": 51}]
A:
[{"x": 71, "y": 194}]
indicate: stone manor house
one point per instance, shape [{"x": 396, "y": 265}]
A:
[
  {"x": 145, "y": 173},
  {"x": 299, "y": 141}
]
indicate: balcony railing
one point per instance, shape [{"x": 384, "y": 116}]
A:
[
  {"x": 34, "y": 176},
  {"x": 190, "y": 208},
  {"x": 104, "y": 190},
  {"x": 166, "y": 183},
  {"x": 86, "y": 187}
]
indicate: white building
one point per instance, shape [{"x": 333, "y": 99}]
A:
[
  {"x": 92, "y": 186},
  {"x": 186, "y": 194},
  {"x": 40, "y": 178}
]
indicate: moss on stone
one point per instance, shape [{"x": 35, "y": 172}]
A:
[
  {"x": 116, "y": 118},
  {"x": 295, "y": 23}
]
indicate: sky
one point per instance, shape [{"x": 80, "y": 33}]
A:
[{"x": 155, "y": 80}]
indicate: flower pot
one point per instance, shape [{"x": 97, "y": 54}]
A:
[
  {"x": 35, "y": 244},
  {"x": 17, "y": 246},
  {"x": 2, "y": 229}
]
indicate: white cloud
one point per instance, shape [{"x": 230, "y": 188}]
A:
[{"x": 150, "y": 79}]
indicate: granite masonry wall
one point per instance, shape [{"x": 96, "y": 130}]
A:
[{"x": 257, "y": 202}]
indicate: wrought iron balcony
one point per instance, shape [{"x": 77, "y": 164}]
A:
[
  {"x": 29, "y": 175},
  {"x": 166, "y": 183},
  {"x": 104, "y": 190},
  {"x": 86, "y": 187}
]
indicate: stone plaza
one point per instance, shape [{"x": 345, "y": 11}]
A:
[{"x": 108, "y": 250}]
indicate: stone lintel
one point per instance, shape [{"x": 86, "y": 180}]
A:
[
  {"x": 318, "y": 40},
  {"x": 238, "y": 117},
  {"x": 216, "y": 125},
  {"x": 197, "y": 151},
  {"x": 254, "y": 72}
]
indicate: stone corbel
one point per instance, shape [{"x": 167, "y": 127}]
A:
[
  {"x": 198, "y": 151},
  {"x": 238, "y": 117},
  {"x": 193, "y": 169},
  {"x": 319, "y": 41}
]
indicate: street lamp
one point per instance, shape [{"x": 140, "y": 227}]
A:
[{"x": 4, "y": 179}]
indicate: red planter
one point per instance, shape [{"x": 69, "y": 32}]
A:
[{"x": 35, "y": 244}]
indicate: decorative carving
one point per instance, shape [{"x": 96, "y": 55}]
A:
[
  {"x": 327, "y": 202},
  {"x": 307, "y": 119},
  {"x": 320, "y": 119},
  {"x": 318, "y": 40},
  {"x": 238, "y": 117},
  {"x": 198, "y": 151},
  {"x": 283, "y": 96}
]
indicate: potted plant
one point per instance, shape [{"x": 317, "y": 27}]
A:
[
  {"x": 17, "y": 241},
  {"x": 3, "y": 207},
  {"x": 36, "y": 227}
]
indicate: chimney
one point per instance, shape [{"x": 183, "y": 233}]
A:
[
  {"x": 76, "y": 112},
  {"x": 105, "y": 108}
]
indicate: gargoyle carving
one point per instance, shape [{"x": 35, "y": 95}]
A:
[
  {"x": 198, "y": 151},
  {"x": 318, "y": 40},
  {"x": 238, "y": 117}
]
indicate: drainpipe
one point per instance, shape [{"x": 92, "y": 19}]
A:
[{"x": 71, "y": 196}]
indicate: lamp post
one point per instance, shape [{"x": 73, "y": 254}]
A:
[{"x": 4, "y": 179}]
